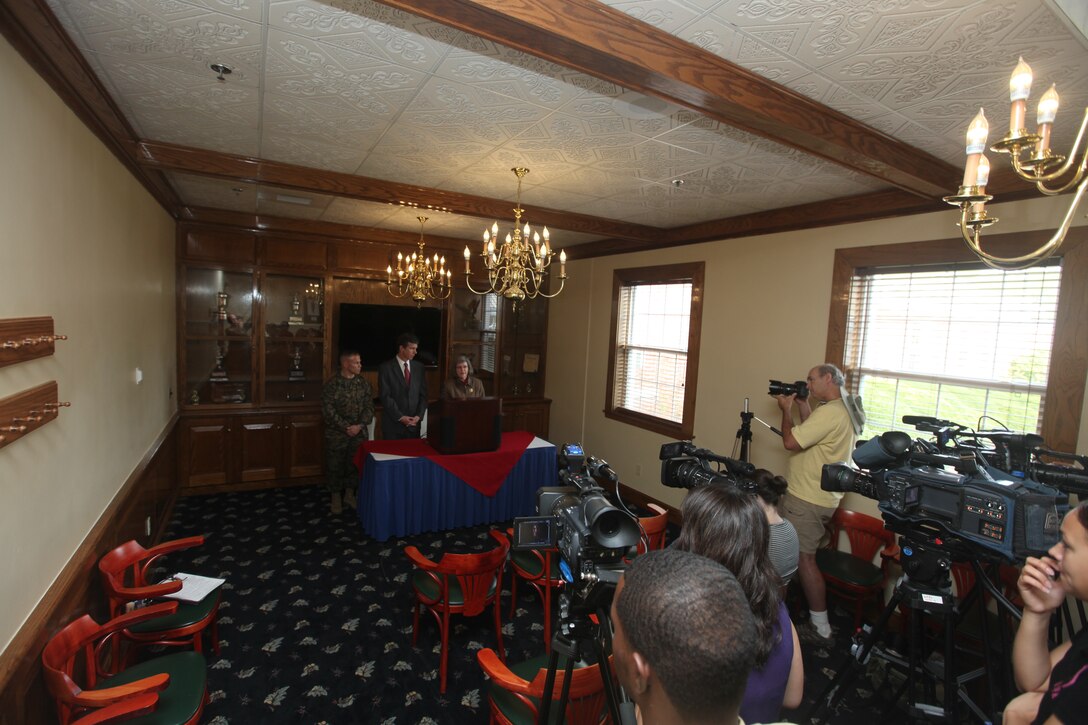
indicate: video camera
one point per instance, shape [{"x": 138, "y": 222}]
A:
[
  {"x": 1018, "y": 454},
  {"x": 976, "y": 503},
  {"x": 685, "y": 466},
  {"x": 593, "y": 536}
]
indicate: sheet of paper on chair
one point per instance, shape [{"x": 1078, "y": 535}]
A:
[{"x": 193, "y": 587}]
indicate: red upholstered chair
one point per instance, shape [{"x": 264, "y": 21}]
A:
[
  {"x": 853, "y": 575},
  {"x": 540, "y": 569},
  {"x": 654, "y": 528},
  {"x": 458, "y": 584},
  {"x": 124, "y": 573},
  {"x": 515, "y": 692},
  {"x": 171, "y": 687}
]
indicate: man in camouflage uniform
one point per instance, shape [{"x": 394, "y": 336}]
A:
[{"x": 347, "y": 405}]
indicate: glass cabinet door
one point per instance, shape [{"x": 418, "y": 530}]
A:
[
  {"x": 294, "y": 330},
  {"x": 474, "y": 325},
  {"x": 218, "y": 337},
  {"x": 524, "y": 327}
]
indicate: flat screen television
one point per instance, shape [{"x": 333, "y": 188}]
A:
[{"x": 373, "y": 331}]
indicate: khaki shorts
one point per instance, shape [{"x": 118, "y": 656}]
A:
[{"x": 809, "y": 519}]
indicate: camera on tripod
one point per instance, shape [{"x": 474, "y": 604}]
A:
[
  {"x": 989, "y": 510},
  {"x": 1023, "y": 455},
  {"x": 685, "y": 466},
  {"x": 592, "y": 535},
  {"x": 799, "y": 388}
]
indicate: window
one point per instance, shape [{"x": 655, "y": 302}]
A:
[
  {"x": 922, "y": 329},
  {"x": 952, "y": 341},
  {"x": 654, "y": 347}
]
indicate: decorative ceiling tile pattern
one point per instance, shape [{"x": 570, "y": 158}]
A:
[{"x": 356, "y": 87}]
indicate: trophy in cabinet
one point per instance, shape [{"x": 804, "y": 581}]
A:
[
  {"x": 221, "y": 299},
  {"x": 219, "y": 373},
  {"x": 296, "y": 311},
  {"x": 296, "y": 373}
]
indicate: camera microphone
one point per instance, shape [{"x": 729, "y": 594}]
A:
[{"x": 599, "y": 468}]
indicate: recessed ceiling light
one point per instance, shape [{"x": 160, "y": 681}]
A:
[{"x": 677, "y": 183}]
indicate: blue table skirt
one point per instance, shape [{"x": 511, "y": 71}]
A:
[{"x": 403, "y": 496}]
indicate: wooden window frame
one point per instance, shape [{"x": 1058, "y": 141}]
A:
[
  {"x": 1069, "y": 351},
  {"x": 695, "y": 273}
]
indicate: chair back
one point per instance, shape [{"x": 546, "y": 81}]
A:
[
  {"x": 121, "y": 570},
  {"x": 586, "y": 704},
  {"x": 865, "y": 533},
  {"x": 477, "y": 575},
  {"x": 73, "y": 661},
  {"x": 654, "y": 529}
]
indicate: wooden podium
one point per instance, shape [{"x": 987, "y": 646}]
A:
[{"x": 465, "y": 426}]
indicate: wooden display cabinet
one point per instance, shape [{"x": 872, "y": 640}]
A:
[
  {"x": 216, "y": 337},
  {"x": 473, "y": 332},
  {"x": 294, "y": 339},
  {"x": 225, "y": 449}
]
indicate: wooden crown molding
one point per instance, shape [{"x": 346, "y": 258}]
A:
[{"x": 608, "y": 44}]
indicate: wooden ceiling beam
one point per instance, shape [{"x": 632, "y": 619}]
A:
[
  {"x": 595, "y": 39},
  {"x": 184, "y": 159}
]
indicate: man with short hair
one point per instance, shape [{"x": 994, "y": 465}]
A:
[
  {"x": 684, "y": 639},
  {"x": 347, "y": 407},
  {"x": 403, "y": 383},
  {"x": 824, "y": 435}
]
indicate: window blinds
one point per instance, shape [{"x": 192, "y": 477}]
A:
[
  {"x": 953, "y": 341},
  {"x": 651, "y": 349}
]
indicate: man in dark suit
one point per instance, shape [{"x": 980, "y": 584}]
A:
[{"x": 403, "y": 383}]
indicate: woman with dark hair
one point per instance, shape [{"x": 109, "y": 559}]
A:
[
  {"x": 783, "y": 542},
  {"x": 1052, "y": 680},
  {"x": 461, "y": 384},
  {"x": 728, "y": 525}
]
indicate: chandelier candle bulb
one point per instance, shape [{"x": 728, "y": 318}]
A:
[
  {"x": 981, "y": 179},
  {"x": 1048, "y": 109},
  {"x": 1019, "y": 90},
  {"x": 977, "y": 133}
]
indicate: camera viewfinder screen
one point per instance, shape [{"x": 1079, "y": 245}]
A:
[{"x": 534, "y": 533}]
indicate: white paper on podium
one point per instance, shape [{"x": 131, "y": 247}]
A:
[{"x": 193, "y": 586}]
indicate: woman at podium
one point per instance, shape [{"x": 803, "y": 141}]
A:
[{"x": 461, "y": 384}]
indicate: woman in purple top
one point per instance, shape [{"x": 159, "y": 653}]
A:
[{"x": 727, "y": 524}]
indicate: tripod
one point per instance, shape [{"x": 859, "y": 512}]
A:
[
  {"x": 574, "y": 632},
  {"x": 744, "y": 434},
  {"x": 924, "y": 589}
]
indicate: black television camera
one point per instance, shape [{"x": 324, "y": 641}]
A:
[
  {"x": 975, "y": 503},
  {"x": 777, "y": 387},
  {"x": 1018, "y": 454},
  {"x": 685, "y": 466},
  {"x": 593, "y": 536}
]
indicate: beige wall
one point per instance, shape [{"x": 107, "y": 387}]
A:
[
  {"x": 765, "y": 316},
  {"x": 84, "y": 243}
]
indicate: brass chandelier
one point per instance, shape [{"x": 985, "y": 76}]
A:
[
  {"x": 1032, "y": 160},
  {"x": 418, "y": 276},
  {"x": 517, "y": 268}
]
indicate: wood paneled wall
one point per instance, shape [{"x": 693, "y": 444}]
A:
[{"x": 149, "y": 492}]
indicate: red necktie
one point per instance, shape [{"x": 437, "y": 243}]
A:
[{"x": 407, "y": 375}]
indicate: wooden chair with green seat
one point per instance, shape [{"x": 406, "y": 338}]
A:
[
  {"x": 515, "y": 692},
  {"x": 540, "y": 569},
  {"x": 122, "y": 711},
  {"x": 74, "y": 667},
  {"x": 458, "y": 584},
  {"x": 124, "y": 573},
  {"x": 852, "y": 575}
]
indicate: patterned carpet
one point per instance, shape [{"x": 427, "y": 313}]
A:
[{"x": 315, "y": 621}]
